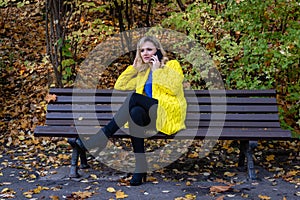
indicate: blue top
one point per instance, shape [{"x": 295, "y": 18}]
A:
[{"x": 148, "y": 85}]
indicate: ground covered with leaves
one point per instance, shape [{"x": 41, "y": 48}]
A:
[{"x": 37, "y": 168}]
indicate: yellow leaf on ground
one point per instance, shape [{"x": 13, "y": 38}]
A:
[
  {"x": 292, "y": 173},
  {"x": 270, "y": 157},
  {"x": 190, "y": 196},
  {"x": 193, "y": 155},
  {"x": 63, "y": 156},
  {"x": 83, "y": 195},
  {"x": 5, "y": 190},
  {"x": 110, "y": 189},
  {"x": 33, "y": 176},
  {"x": 39, "y": 189},
  {"x": 229, "y": 174},
  {"x": 264, "y": 197},
  {"x": 54, "y": 197},
  {"x": 151, "y": 179},
  {"x": 21, "y": 137},
  {"x": 94, "y": 176},
  {"x": 28, "y": 194},
  {"x": 121, "y": 195}
]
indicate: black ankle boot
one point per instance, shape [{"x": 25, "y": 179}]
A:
[
  {"x": 138, "y": 178},
  {"x": 74, "y": 172},
  {"x": 83, "y": 161}
]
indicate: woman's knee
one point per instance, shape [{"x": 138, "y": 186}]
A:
[{"x": 138, "y": 115}]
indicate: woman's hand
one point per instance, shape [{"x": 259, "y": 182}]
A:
[
  {"x": 155, "y": 62},
  {"x": 135, "y": 63},
  {"x": 135, "y": 60}
]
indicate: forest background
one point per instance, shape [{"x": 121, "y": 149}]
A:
[{"x": 254, "y": 45}]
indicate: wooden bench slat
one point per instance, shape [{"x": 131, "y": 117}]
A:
[
  {"x": 190, "y": 116},
  {"x": 192, "y": 124},
  {"x": 108, "y": 92},
  {"x": 191, "y": 108},
  {"x": 194, "y": 100},
  {"x": 225, "y": 133},
  {"x": 237, "y": 93}
]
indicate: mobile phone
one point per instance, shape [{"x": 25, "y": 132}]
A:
[{"x": 159, "y": 55}]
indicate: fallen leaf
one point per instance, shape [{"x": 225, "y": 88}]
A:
[
  {"x": 190, "y": 196},
  {"x": 39, "y": 189},
  {"x": 220, "y": 188},
  {"x": 264, "y": 197},
  {"x": 193, "y": 155},
  {"x": 32, "y": 176},
  {"x": 292, "y": 173},
  {"x": 5, "y": 190},
  {"x": 21, "y": 137},
  {"x": 83, "y": 195},
  {"x": 229, "y": 174},
  {"x": 121, "y": 195},
  {"x": 54, "y": 197},
  {"x": 244, "y": 195},
  {"x": 270, "y": 157},
  {"x": 151, "y": 179},
  {"x": 110, "y": 189},
  {"x": 93, "y": 176},
  {"x": 28, "y": 194},
  {"x": 50, "y": 97}
]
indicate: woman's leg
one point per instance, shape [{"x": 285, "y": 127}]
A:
[
  {"x": 139, "y": 119},
  {"x": 149, "y": 105},
  {"x": 123, "y": 115}
]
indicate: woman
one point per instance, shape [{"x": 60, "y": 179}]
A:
[{"x": 158, "y": 101}]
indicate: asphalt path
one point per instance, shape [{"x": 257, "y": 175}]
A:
[{"x": 110, "y": 184}]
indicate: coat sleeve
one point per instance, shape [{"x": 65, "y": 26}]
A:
[
  {"x": 127, "y": 79},
  {"x": 169, "y": 78}
]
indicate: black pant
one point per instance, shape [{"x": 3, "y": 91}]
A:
[{"x": 141, "y": 112}]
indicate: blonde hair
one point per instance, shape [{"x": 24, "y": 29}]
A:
[{"x": 141, "y": 66}]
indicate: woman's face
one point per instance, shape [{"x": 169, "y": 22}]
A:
[{"x": 147, "y": 51}]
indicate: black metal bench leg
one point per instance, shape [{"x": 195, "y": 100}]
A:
[
  {"x": 243, "y": 145},
  {"x": 246, "y": 151},
  {"x": 82, "y": 153},
  {"x": 74, "y": 160},
  {"x": 250, "y": 163}
]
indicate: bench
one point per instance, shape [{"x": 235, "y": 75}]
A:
[{"x": 243, "y": 115}]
